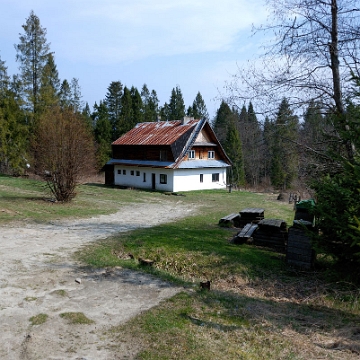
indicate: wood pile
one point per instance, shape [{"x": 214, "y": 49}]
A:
[
  {"x": 232, "y": 220},
  {"x": 251, "y": 215},
  {"x": 271, "y": 233},
  {"x": 245, "y": 235},
  {"x": 299, "y": 250}
]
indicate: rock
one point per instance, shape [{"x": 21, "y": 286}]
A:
[{"x": 78, "y": 280}]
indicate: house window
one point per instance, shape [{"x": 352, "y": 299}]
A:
[
  {"x": 215, "y": 177},
  {"x": 201, "y": 178},
  {"x": 137, "y": 173},
  {"x": 192, "y": 154},
  {"x": 124, "y": 172},
  {"x": 144, "y": 177},
  {"x": 163, "y": 179},
  {"x": 119, "y": 172},
  {"x": 132, "y": 172},
  {"x": 163, "y": 155},
  {"x": 211, "y": 154}
]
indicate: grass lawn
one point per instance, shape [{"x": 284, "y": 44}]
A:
[{"x": 257, "y": 307}]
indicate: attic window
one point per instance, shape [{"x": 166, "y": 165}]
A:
[
  {"x": 192, "y": 154},
  {"x": 211, "y": 154},
  {"x": 163, "y": 155}
]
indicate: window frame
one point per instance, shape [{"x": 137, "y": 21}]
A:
[
  {"x": 215, "y": 177},
  {"x": 163, "y": 178},
  {"x": 191, "y": 154},
  {"x": 211, "y": 154}
]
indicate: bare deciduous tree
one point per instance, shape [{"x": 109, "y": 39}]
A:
[
  {"x": 314, "y": 52},
  {"x": 65, "y": 151}
]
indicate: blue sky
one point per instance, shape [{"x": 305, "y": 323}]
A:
[{"x": 195, "y": 44}]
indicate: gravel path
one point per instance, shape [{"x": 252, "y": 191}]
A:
[{"x": 38, "y": 276}]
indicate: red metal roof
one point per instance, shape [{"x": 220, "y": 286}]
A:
[{"x": 156, "y": 133}]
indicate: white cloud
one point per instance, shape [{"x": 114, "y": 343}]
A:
[{"x": 114, "y": 31}]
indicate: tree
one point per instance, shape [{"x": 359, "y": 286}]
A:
[
  {"x": 176, "y": 104},
  {"x": 150, "y": 104},
  {"x": 113, "y": 104},
  {"x": 103, "y": 133},
  {"x": 65, "y": 149},
  {"x": 198, "y": 109},
  {"x": 32, "y": 53},
  {"x": 137, "y": 107},
  {"x": 233, "y": 148},
  {"x": 284, "y": 159},
  {"x": 223, "y": 116},
  {"x": 65, "y": 94},
  {"x": 13, "y": 130},
  {"x": 251, "y": 138},
  {"x": 127, "y": 114},
  {"x": 314, "y": 52},
  {"x": 49, "y": 92}
]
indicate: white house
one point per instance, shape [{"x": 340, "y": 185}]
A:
[{"x": 173, "y": 156}]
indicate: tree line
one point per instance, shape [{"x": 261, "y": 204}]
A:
[{"x": 39, "y": 114}]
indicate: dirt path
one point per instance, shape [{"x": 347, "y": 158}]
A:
[{"x": 37, "y": 276}]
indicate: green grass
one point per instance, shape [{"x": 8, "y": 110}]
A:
[
  {"x": 257, "y": 307},
  {"x": 27, "y": 199},
  {"x": 38, "y": 319},
  {"x": 76, "y": 318}
]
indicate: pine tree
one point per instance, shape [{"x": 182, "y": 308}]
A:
[
  {"x": 13, "y": 129},
  {"x": 176, "y": 105},
  {"x": 233, "y": 148},
  {"x": 127, "y": 115},
  {"x": 113, "y": 103},
  {"x": 199, "y": 110},
  {"x": 137, "y": 107},
  {"x": 65, "y": 94},
  {"x": 150, "y": 104},
  {"x": 220, "y": 125},
  {"x": 49, "y": 93},
  {"x": 32, "y": 53},
  {"x": 284, "y": 161},
  {"x": 102, "y": 132}
]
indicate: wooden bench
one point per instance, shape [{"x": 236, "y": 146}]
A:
[{"x": 230, "y": 219}]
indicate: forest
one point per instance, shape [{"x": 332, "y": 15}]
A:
[{"x": 309, "y": 139}]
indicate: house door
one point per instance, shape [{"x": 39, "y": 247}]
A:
[{"x": 153, "y": 178}]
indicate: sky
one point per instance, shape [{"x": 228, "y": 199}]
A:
[{"x": 194, "y": 44}]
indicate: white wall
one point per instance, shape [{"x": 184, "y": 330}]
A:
[
  {"x": 138, "y": 181},
  {"x": 189, "y": 179},
  {"x": 184, "y": 179}
]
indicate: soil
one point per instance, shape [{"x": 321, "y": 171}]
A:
[{"x": 39, "y": 276}]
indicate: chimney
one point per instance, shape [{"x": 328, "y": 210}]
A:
[{"x": 186, "y": 119}]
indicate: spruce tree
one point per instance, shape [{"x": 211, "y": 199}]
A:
[
  {"x": 126, "y": 114},
  {"x": 284, "y": 161},
  {"x": 32, "y": 54},
  {"x": 233, "y": 148},
  {"x": 137, "y": 107},
  {"x": 199, "y": 110},
  {"x": 13, "y": 128},
  {"x": 49, "y": 93},
  {"x": 176, "y": 105},
  {"x": 103, "y": 133},
  {"x": 223, "y": 116},
  {"x": 113, "y": 103}
]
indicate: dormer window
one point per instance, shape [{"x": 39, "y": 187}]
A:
[
  {"x": 192, "y": 154},
  {"x": 211, "y": 154}
]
